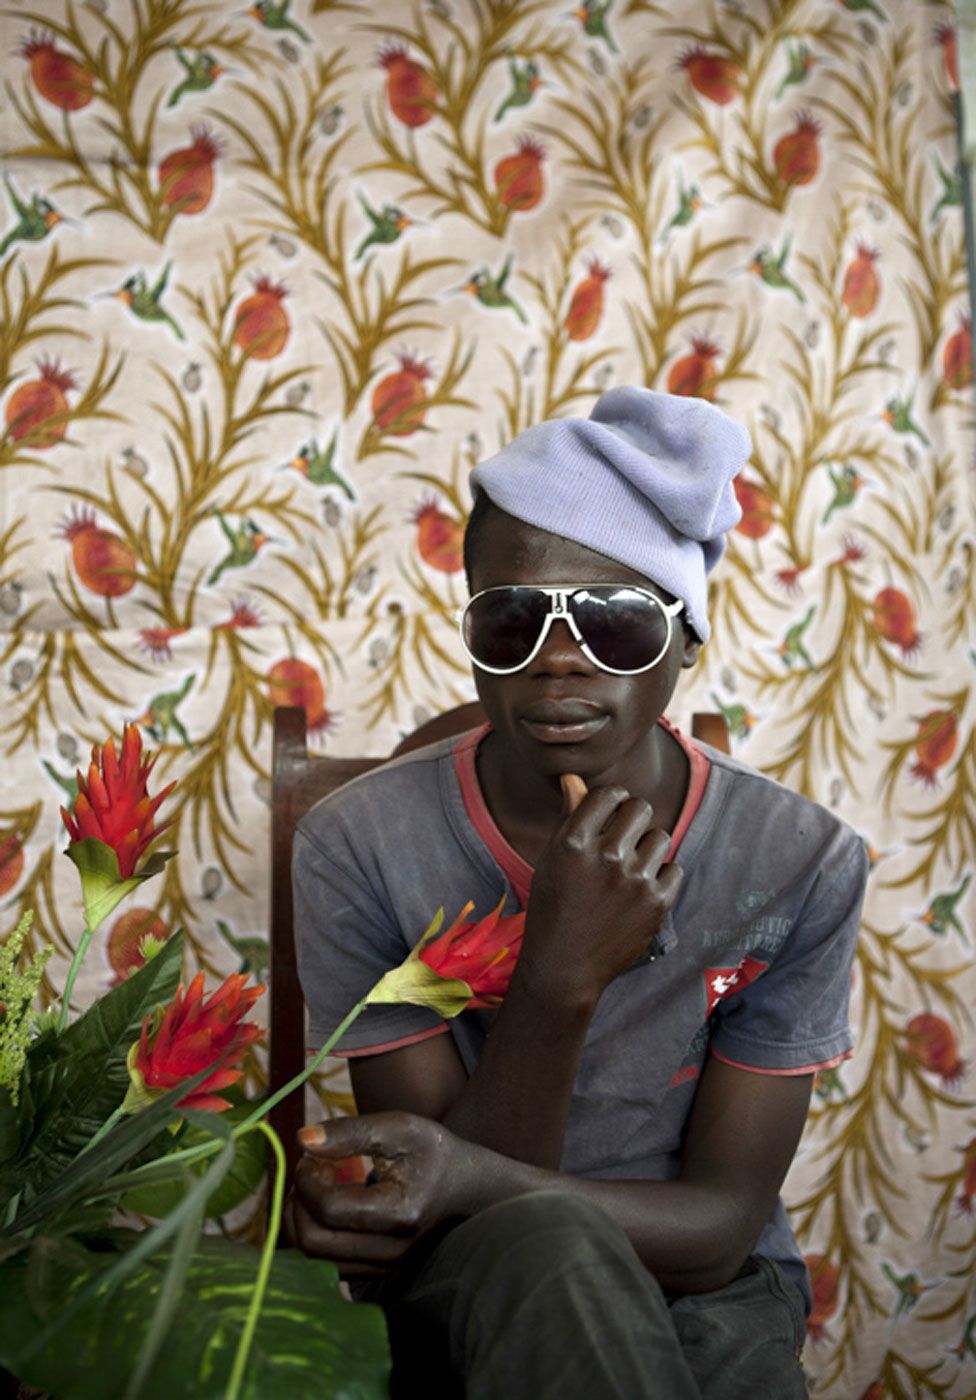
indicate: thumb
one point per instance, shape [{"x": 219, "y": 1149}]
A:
[
  {"x": 574, "y": 790},
  {"x": 361, "y": 1136}
]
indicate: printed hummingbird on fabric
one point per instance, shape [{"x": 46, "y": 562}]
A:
[
  {"x": 387, "y": 225},
  {"x": 317, "y": 464},
  {"x": 792, "y": 648},
  {"x": 276, "y": 17},
  {"x": 738, "y": 717},
  {"x": 593, "y": 15},
  {"x": 898, "y": 414},
  {"x": 689, "y": 202},
  {"x": 846, "y": 483},
  {"x": 909, "y": 1288},
  {"x": 201, "y": 71},
  {"x": 525, "y": 82},
  {"x": 160, "y": 714},
  {"x": 254, "y": 952},
  {"x": 800, "y": 62},
  {"x": 771, "y": 269},
  {"x": 490, "y": 291},
  {"x": 951, "y": 194},
  {"x": 941, "y": 914},
  {"x": 246, "y": 540},
  {"x": 145, "y": 301},
  {"x": 34, "y": 221}
]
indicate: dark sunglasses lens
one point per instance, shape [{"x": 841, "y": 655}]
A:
[
  {"x": 624, "y": 629},
  {"x": 503, "y": 625}
]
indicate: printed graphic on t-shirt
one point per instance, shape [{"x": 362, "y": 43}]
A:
[{"x": 721, "y": 982}]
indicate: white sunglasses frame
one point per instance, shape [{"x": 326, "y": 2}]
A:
[{"x": 558, "y": 595}]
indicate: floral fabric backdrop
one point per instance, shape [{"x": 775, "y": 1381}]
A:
[{"x": 271, "y": 281}]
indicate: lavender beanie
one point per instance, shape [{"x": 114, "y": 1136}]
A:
[{"x": 645, "y": 480}]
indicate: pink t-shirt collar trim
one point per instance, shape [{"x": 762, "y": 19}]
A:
[{"x": 517, "y": 870}]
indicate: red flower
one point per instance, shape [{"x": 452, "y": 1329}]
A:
[
  {"x": 470, "y": 965},
  {"x": 193, "y": 1034},
  {"x": 113, "y": 804},
  {"x": 483, "y": 954}
]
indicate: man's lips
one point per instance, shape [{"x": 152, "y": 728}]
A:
[
  {"x": 563, "y": 721},
  {"x": 569, "y": 711}
]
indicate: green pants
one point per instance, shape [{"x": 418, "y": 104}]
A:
[{"x": 543, "y": 1296}]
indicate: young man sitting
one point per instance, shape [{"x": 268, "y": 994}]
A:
[{"x": 578, "y": 1194}]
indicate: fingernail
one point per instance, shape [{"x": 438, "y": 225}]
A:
[{"x": 312, "y": 1135}]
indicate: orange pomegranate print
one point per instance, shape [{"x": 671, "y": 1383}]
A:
[
  {"x": 586, "y": 303},
  {"x": 440, "y": 538},
  {"x": 59, "y": 78},
  {"x": 11, "y": 861},
  {"x": 957, "y": 357},
  {"x": 261, "y": 326},
  {"x": 758, "y": 509},
  {"x": 938, "y": 735},
  {"x": 32, "y": 404},
  {"x": 411, "y": 92},
  {"x": 124, "y": 942},
  {"x": 695, "y": 375},
  {"x": 294, "y": 682},
  {"x": 712, "y": 74},
  {"x": 399, "y": 398},
  {"x": 945, "y": 37},
  {"x": 894, "y": 619},
  {"x": 186, "y": 176},
  {"x": 862, "y": 286},
  {"x": 518, "y": 178},
  {"x": 965, "y": 1198},
  {"x": 103, "y": 562},
  {"x": 931, "y": 1042},
  {"x": 796, "y": 156},
  {"x": 875, "y": 1391},
  {"x": 825, "y": 1285}
]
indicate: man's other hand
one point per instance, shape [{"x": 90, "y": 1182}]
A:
[{"x": 422, "y": 1174}]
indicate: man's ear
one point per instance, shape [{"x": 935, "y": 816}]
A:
[{"x": 692, "y": 647}]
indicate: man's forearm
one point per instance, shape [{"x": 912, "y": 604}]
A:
[
  {"x": 517, "y": 1100},
  {"x": 692, "y": 1237}
]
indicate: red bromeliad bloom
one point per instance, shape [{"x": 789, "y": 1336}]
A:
[
  {"x": 194, "y": 1033},
  {"x": 483, "y": 954},
  {"x": 469, "y": 965},
  {"x": 113, "y": 804}
]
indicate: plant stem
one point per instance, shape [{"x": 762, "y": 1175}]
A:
[
  {"x": 264, "y": 1269},
  {"x": 106, "y": 1127},
  {"x": 76, "y": 962},
  {"x": 300, "y": 1078}
]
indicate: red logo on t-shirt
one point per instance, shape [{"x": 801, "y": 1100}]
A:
[{"x": 723, "y": 982}]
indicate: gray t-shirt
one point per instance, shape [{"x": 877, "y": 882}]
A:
[{"x": 753, "y": 964}]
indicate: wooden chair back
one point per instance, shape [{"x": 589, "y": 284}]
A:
[{"x": 299, "y": 780}]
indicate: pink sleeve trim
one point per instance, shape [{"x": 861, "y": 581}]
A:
[
  {"x": 784, "y": 1073},
  {"x": 389, "y": 1044}
]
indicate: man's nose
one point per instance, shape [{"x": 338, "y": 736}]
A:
[{"x": 560, "y": 653}]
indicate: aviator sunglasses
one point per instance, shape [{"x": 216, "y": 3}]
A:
[{"x": 620, "y": 627}]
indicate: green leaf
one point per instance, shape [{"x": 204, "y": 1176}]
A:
[
  {"x": 89, "y": 1175},
  {"x": 242, "y": 1179},
  {"x": 79, "y": 1078},
  {"x": 310, "y": 1343},
  {"x": 102, "y": 886},
  {"x": 414, "y": 982}
]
